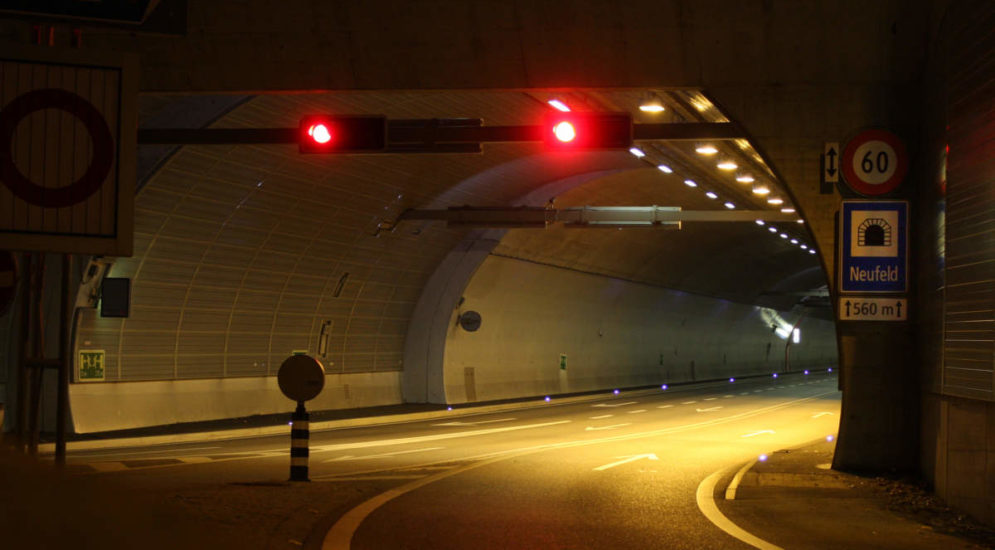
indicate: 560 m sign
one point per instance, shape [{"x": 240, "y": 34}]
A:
[{"x": 873, "y": 309}]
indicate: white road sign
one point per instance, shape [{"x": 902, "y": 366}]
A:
[
  {"x": 831, "y": 162},
  {"x": 859, "y": 308}
]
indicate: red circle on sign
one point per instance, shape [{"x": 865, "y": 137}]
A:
[
  {"x": 100, "y": 164},
  {"x": 879, "y": 179},
  {"x": 8, "y": 280}
]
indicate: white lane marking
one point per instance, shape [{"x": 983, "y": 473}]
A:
[
  {"x": 123, "y": 455},
  {"x": 436, "y": 437},
  {"x": 599, "y": 417},
  {"x": 365, "y": 478},
  {"x": 612, "y": 427},
  {"x": 688, "y": 402},
  {"x": 664, "y": 406},
  {"x": 615, "y": 404},
  {"x": 196, "y": 460},
  {"x": 383, "y": 455},
  {"x": 710, "y": 409},
  {"x": 477, "y": 423},
  {"x": 726, "y": 396},
  {"x": 705, "y": 497},
  {"x": 637, "y": 411},
  {"x": 626, "y": 460},
  {"x": 340, "y": 535},
  {"x": 737, "y": 479},
  {"x": 821, "y": 414},
  {"x": 757, "y": 391},
  {"x": 761, "y": 432},
  {"x": 745, "y": 393},
  {"x": 107, "y": 466},
  {"x": 711, "y": 398}
]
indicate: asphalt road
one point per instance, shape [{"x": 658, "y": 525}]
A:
[{"x": 618, "y": 472}]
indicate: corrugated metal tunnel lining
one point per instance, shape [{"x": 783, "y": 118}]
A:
[{"x": 245, "y": 254}]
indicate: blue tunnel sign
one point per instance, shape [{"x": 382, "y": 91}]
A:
[{"x": 874, "y": 246}]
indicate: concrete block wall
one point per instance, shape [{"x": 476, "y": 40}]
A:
[
  {"x": 614, "y": 333},
  {"x": 124, "y": 405}
]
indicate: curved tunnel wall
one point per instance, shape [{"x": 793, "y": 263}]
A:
[{"x": 614, "y": 333}]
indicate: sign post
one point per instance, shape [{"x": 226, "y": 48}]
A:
[{"x": 301, "y": 378}]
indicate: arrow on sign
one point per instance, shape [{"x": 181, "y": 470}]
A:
[
  {"x": 626, "y": 460},
  {"x": 830, "y": 167}
]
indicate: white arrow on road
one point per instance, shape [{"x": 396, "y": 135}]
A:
[
  {"x": 761, "y": 432},
  {"x": 710, "y": 409},
  {"x": 626, "y": 460}
]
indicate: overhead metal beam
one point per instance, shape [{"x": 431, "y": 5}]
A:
[
  {"x": 669, "y": 217},
  {"x": 431, "y": 134}
]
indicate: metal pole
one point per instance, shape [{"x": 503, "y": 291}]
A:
[
  {"x": 299, "y": 435},
  {"x": 23, "y": 349},
  {"x": 38, "y": 351},
  {"x": 62, "y": 406}
]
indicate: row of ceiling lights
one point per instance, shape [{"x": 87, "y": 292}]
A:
[{"x": 653, "y": 105}]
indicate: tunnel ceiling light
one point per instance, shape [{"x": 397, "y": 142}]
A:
[
  {"x": 761, "y": 190},
  {"x": 788, "y": 210},
  {"x": 744, "y": 178},
  {"x": 706, "y": 149},
  {"x": 784, "y": 235},
  {"x": 794, "y": 241},
  {"x": 559, "y": 105},
  {"x": 664, "y": 168},
  {"x": 799, "y": 220},
  {"x": 730, "y": 205},
  {"x": 690, "y": 183},
  {"x": 760, "y": 222},
  {"x": 772, "y": 229},
  {"x": 811, "y": 251},
  {"x": 711, "y": 195},
  {"x": 651, "y": 104},
  {"x": 727, "y": 165},
  {"x": 775, "y": 201},
  {"x": 804, "y": 247},
  {"x": 637, "y": 152}
]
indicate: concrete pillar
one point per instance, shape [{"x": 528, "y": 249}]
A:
[{"x": 879, "y": 423}]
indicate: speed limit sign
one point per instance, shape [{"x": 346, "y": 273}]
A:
[{"x": 874, "y": 162}]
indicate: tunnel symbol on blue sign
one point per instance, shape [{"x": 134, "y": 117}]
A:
[{"x": 873, "y": 234}]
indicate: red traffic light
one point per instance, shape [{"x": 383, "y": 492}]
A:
[
  {"x": 577, "y": 131},
  {"x": 564, "y": 131},
  {"x": 319, "y": 133},
  {"x": 342, "y": 133}
]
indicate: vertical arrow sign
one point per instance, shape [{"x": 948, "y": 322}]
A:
[{"x": 830, "y": 167}]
